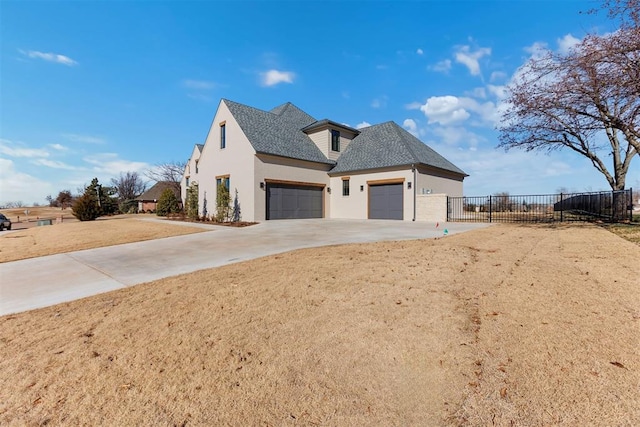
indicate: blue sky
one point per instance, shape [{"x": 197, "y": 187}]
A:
[{"x": 91, "y": 89}]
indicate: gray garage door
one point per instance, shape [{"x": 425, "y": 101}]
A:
[
  {"x": 385, "y": 201},
  {"x": 293, "y": 201}
]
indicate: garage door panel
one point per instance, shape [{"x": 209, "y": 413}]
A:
[
  {"x": 386, "y": 201},
  {"x": 294, "y": 201}
]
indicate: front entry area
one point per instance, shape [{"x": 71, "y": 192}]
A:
[
  {"x": 294, "y": 201},
  {"x": 386, "y": 201}
]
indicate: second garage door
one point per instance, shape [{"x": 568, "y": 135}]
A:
[
  {"x": 286, "y": 201},
  {"x": 385, "y": 201}
]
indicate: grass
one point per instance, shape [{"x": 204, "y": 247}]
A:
[
  {"x": 508, "y": 325},
  {"x": 630, "y": 232},
  {"x": 74, "y": 236}
]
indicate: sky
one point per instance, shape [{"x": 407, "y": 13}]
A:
[{"x": 98, "y": 88}]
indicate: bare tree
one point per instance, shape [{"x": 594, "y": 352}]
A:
[
  {"x": 64, "y": 199},
  {"x": 128, "y": 186},
  {"x": 587, "y": 100},
  {"x": 167, "y": 172}
]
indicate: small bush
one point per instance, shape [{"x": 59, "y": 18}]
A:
[
  {"x": 86, "y": 208},
  {"x": 168, "y": 203}
]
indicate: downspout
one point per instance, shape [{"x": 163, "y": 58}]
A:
[{"x": 415, "y": 189}]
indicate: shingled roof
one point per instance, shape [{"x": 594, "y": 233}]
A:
[
  {"x": 156, "y": 191},
  {"x": 388, "y": 145},
  {"x": 277, "y": 132}
]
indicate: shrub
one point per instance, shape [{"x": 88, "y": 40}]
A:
[
  {"x": 86, "y": 208},
  {"x": 192, "y": 202},
  {"x": 223, "y": 199},
  {"x": 167, "y": 203}
]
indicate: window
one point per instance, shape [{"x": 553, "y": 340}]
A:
[
  {"x": 345, "y": 187},
  {"x": 222, "y": 180},
  {"x": 223, "y": 135},
  {"x": 335, "y": 140},
  {"x": 196, "y": 166},
  {"x": 187, "y": 182}
]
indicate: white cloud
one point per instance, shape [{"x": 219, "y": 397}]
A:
[
  {"x": 500, "y": 92},
  {"x": 379, "y": 102},
  {"x": 413, "y": 106},
  {"x": 497, "y": 75},
  {"x": 444, "y": 110},
  {"x": 452, "y": 110},
  {"x": 17, "y": 185},
  {"x": 567, "y": 43},
  {"x": 420, "y": 51},
  {"x": 479, "y": 92},
  {"x": 55, "y": 164},
  {"x": 274, "y": 77},
  {"x": 9, "y": 148},
  {"x": 442, "y": 66},
  {"x": 58, "y": 147},
  {"x": 470, "y": 59},
  {"x": 459, "y": 137},
  {"x": 87, "y": 139},
  {"x": 110, "y": 163},
  {"x": 411, "y": 126},
  {"x": 536, "y": 50},
  {"x": 363, "y": 125},
  {"x": 50, "y": 57},
  {"x": 199, "y": 84}
]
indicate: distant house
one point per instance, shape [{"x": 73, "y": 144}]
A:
[
  {"x": 285, "y": 164},
  {"x": 148, "y": 200}
]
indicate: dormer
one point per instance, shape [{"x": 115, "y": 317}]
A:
[{"x": 330, "y": 137}]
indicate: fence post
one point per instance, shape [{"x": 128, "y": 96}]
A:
[
  {"x": 630, "y": 205},
  {"x": 490, "y": 208},
  {"x": 561, "y": 209}
]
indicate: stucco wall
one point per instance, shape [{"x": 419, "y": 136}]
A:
[
  {"x": 190, "y": 172},
  {"x": 355, "y": 205},
  {"x": 431, "y": 207},
  {"x": 234, "y": 160},
  {"x": 282, "y": 169},
  {"x": 431, "y": 181}
]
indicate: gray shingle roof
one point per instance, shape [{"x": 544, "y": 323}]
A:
[
  {"x": 388, "y": 145},
  {"x": 293, "y": 115},
  {"x": 277, "y": 132}
]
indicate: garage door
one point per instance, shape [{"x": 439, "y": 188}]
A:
[
  {"x": 293, "y": 201},
  {"x": 385, "y": 201}
]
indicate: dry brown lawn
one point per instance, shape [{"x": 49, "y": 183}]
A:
[
  {"x": 509, "y": 325},
  {"x": 38, "y": 212},
  {"x": 75, "y": 236}
]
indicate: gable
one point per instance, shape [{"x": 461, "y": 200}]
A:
[{"x": 277, "y": 133}]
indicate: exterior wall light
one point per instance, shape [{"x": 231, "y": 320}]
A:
[
  {"x": 262, "y": 185},
  {"x": 409, "y": 185},
  {"x": 328, "y": 189}
]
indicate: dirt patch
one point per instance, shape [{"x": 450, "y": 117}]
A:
[
  {"x": 74, "y": 236},
  {"x": 510, "y": 325}
]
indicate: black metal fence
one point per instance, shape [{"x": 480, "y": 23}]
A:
[{"x": 610, "y": 206}]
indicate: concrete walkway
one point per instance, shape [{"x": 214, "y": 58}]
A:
[{"x": 49, "y": 280}]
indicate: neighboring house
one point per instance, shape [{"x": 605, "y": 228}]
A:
[
  {"x": 148, "y": 200},
  {"x": 286, "y": 164}
]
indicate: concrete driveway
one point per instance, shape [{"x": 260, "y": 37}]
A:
[{"x": 49, "y": 280}]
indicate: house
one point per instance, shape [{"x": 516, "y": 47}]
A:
[
  {"x": 148, "y": 200},
  {"x": 285, "y": 164}
]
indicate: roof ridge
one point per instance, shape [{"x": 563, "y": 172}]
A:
[{"x": 402, "y": 133}]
